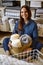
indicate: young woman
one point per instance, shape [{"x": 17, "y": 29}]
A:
[{"x": 25, "y": 26}]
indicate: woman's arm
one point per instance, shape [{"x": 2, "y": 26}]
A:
[
  {"x": 35, "y": 32},
  {"x": 15, "y": 28},
  {"x": 35, "y": 36}
]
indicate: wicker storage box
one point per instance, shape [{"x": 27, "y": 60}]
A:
[
  {"x": 15, "y": 50},
  {"x": 18, "y": 44}
]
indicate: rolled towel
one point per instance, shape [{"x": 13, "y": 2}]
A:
[
  {"x": 25, "y": 39},
  {"x": 15, "y": 41}
]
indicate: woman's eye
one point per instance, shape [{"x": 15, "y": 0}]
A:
[
  {"x": 24, "y": 12},
  {"x": 21, "y": 12}
]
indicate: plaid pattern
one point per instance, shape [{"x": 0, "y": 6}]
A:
[
  {"x": 22, "y": 55},
  {"x": 25, "y": 54}
]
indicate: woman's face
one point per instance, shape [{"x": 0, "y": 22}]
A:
[{"x": 24, "y": 13}]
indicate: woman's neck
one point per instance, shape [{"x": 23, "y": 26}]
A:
[{"x": 25, "y": 21}]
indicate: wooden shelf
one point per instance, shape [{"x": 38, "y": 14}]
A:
[
  {"x": 10, "y": 0},
  {"x": 2, "y": 11},
  {"x": 34, "y": 0}
]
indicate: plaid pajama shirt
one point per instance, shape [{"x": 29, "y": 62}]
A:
[{"x": 26, "y": 54}]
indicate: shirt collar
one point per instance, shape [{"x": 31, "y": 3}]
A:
[{"x": 29, "y": 22}]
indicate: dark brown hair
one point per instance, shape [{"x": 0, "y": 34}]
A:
[{"x": 20, "y": 26}]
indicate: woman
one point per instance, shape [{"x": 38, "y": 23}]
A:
[{"x": 25, "y": 26}]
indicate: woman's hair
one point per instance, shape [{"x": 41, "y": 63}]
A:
[{"x": 20, "y": 26}]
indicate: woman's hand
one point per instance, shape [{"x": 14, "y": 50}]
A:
[{"x": 9, "y": 45}]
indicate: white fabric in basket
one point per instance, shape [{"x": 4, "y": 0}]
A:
[{"x": 7, "y": 60}]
